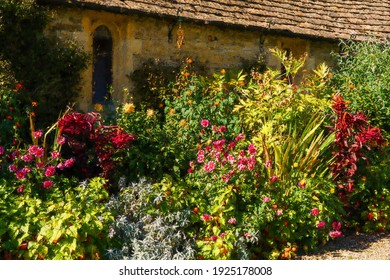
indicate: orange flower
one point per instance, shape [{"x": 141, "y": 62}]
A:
[
  {"x": 172, "y": 111},
  {"x": 34, "y": 104}
]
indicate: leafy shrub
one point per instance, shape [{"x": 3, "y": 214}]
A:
[
  {"x": 363, "y": 78},
  {"x": 48, "y": 68},
  {"x": 45, "y": 215},
  {"x": 11, "y": 117},
  {"x": 142, "y": 230},
  {"x": 246, "y": 214},
  {"x": 166, "y": 137}
]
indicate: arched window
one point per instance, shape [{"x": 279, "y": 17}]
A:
[{"x": 102, "y": 65}]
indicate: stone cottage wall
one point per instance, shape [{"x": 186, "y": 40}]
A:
[{"x": 137, "y": 39}]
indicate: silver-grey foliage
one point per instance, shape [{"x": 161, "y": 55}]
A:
[{"x": 143, "y": 232}]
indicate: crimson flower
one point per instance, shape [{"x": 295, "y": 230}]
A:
[
  {"x": 47, "y": 184},
  {"x": 314, "y": 211},
  {"x": 50, "y": 171},
  {"x": 204, "y": 123}
]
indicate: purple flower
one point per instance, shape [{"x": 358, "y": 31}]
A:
[{"x": 2, "y": 150}]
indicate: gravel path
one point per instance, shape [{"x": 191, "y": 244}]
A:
[{"x": 354, "y": 247}]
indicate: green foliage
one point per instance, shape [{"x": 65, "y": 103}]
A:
[
  {"x": 11, "y": 117},
  {"x": 168, "y": 135},
  {"x": 68, "y": 222},
  {"x": 48, "y": 68},
  {"x": 363, "y": 77}
]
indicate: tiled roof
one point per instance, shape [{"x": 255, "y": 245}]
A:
[{"x": 330, "y": 19}]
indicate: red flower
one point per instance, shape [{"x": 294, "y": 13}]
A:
[
  {"x": 50, "y": 171},
  {"x": 206, "y": 217},
  {"x": 336, "y": 225},
  {"x": 314, "y": 211},
  {"x": 47, "y": 184},
  {"x": 320, "y": 224},
  {"x": 204, "y": 123},
  {"x": 273, "y": 178}
]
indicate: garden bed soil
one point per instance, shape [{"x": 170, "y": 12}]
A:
[{"x": 355, "y": 246}]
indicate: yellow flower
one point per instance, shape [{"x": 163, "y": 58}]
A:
[
  {"x": 98, "y": 107},
  {"x": 150, "y": 113},
  {"x": 332, "y": 190},
  {"x": 295, "y": 164},
  {"x": 189, "y": 102},
  {"x": 128, "y": 108}
]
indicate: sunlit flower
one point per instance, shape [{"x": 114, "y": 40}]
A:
[
  {"x": 200, "y": 158},
  {"x": 210, "y": 166},
  {"x": 206, "y": 217},
  {"x": 314, "y": 212},
  {"x": 302, "y": 184},
  {"x": 128, "y": 108},
  {"x": 98, "y": 107},
  {"x": 213, "y": 238},
  {"x": 279, "y": 212},
  {"x": 182, "y": 123},
  {"x": 232, "y": 221},
  {"x": 204, "y": 123},
  {"x": 150, "y": 113},
  {"x": 239, "y": 137},
  {"x": 230, "y": 158}
]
